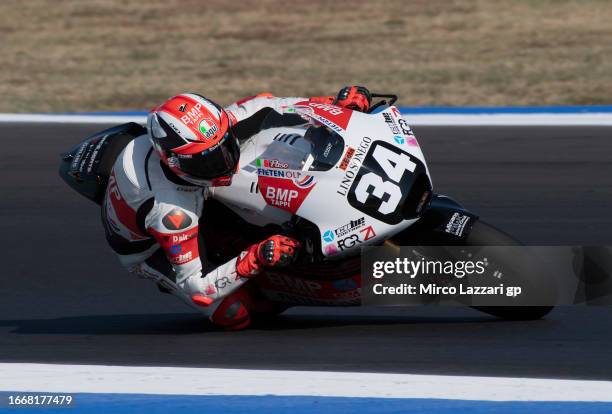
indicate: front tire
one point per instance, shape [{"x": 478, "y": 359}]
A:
[
  {"x": 481, "y": 234},
  {"x": 484, "y": 234}
]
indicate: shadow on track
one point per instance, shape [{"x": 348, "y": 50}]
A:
[{"x": 186, "y": 323}]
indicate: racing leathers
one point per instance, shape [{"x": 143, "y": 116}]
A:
[{"x": 151, "y": 219}]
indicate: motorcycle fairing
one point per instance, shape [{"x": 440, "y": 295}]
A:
[
  {"x": 326, "y": 203},
  {"x": 445, "y": 222},
  {"x": 280, "y": 287},
  {"x": 332, "y": 116}
]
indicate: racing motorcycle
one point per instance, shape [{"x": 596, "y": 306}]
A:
[{"x": 337, "y": 180}]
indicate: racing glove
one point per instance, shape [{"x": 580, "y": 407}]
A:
[
  {"x": 274, "y": 251},
  {"x": 357, "y": 98}
]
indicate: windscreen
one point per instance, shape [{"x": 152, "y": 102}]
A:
[{"x": 309, "y": 147}]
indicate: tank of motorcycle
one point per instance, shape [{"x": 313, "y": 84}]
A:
[{"x": 360, "y": 178}]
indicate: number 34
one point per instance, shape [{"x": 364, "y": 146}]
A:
[{"x": 394, "y": 165}]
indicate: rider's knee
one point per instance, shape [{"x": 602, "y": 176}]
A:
[{"x": 233, "y": 313}]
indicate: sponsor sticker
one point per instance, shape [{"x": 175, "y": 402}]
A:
[
  {"x": 348, "y": 242},
  {"x": 328, "y": 236},
  {"x": 174, "y": 127},
  {"x": 354, "y": 165},
  {"x": 193, "y": 115},
  {"x": 347, "y": 158},
  {"x": 306, "y": 181},
  {"x": 356, "y": 238},
  {"x": 173, "y": 162},
  {"x": 280, "y": 197},
  {"x": 179, "y": 247},
  {"x": 332, "y": 116},
  {"x": 176, "y": 219},
  {"x": 278, "y": 173},
  {"x": 182, "y": 258},
  {"x": 285, "y": 189},
  {"x": 456, "y": 224},
  {"x": 222, "y": 282},
  {"x": 368, "y": 233},
  {"x": 208, "y": 128},
  {"x": 331, "y": 250},
  {"x": 391, "y": 123},
  {"x": 406, "y": 130},
  {"x": 349, "y": 227},
  {"x": 274, "y": 163}
]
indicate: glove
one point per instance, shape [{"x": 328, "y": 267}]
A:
[
  {"x": 274, "y": 251},
  {"x": 357, "y": 98}
]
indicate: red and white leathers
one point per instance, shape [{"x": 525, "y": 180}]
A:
[{"x": 151, "y": 219}]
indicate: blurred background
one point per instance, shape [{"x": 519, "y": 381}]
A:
[{"x": 110, "y": 55}]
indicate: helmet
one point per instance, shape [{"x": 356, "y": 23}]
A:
[{"x": 193, "y": 137}]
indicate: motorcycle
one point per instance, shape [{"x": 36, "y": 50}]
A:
[{"x": 337, "y": 180}]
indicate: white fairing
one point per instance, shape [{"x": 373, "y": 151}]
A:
[{"x": 319, "y": 191}]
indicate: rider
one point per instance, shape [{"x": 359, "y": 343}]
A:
[{"x": 156, "y": 192}]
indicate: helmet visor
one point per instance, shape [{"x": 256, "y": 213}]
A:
[{"x": 220, "y": 160}]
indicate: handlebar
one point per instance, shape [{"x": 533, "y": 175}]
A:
[{"x": 392, "y": 99}]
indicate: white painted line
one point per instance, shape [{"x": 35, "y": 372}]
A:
[
  {"x": 211, "y": 381},
  {"x": 536, "y": 119},
  {"x": 585, "y": 119},
  {"x": 72, "y": 119}
]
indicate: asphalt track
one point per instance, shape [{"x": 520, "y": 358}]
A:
[{"x": 64, "y": 297}]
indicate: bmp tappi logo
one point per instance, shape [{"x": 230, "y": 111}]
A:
[
  {"x": 193, "y": 115},
  {"x": 281, "y": 197}
]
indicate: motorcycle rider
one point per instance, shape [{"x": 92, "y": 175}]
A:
[{"x": 156, "y": 192}]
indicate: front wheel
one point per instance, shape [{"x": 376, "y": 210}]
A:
[
  {"x": 481, "y": 234},
  {"x": 484, "y": 234}
]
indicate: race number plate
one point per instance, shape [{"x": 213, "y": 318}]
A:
[{"x": 384, "y": 181}]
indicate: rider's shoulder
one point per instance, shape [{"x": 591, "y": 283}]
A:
[
  {"x": 132, "y": 161},
  {"x": 168, "y": 202}
]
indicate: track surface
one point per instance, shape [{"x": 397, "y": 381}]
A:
[{"x": 64, "y": 297}]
